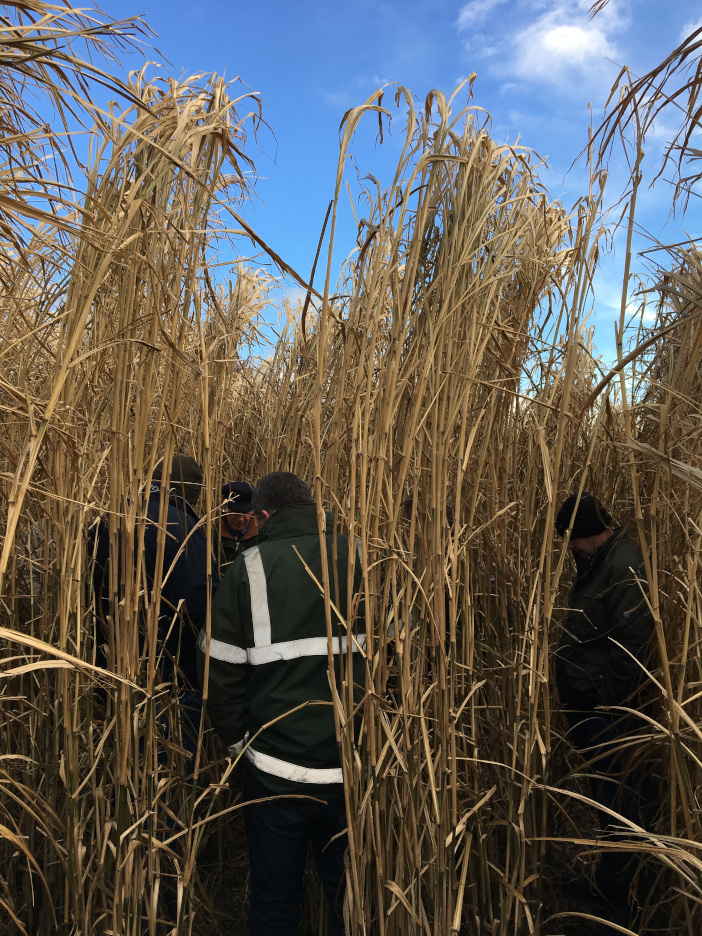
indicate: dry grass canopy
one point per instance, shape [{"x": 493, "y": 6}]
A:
[
  {"x": 402, "y": 399},
  {"x": 114, "y": 351}
]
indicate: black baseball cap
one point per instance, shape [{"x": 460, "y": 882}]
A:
[{"x": 238, "y": 496}]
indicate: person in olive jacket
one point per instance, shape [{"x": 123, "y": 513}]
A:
[
  {"x": 238, "y": 528},
  {"x": 604, "y": 640},
  {"x": 268, "y": 695},
  {"x": 609, "y": 623}
]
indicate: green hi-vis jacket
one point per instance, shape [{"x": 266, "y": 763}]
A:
[
  {"x": 608, "y": 616},
  {"x": 268, "y": 675}
]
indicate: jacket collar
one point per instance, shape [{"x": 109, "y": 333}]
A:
[
  {"x": 601, "y": 554},
  {"x": 606, "y": 548},
  {"x": 295, "y": 520}
]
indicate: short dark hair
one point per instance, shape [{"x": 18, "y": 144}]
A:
[{"x": 280, "y": 489}]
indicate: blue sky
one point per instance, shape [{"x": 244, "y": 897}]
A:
[{"x": 540, "y": 63}]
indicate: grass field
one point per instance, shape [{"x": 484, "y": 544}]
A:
[{"x": 454, "y": 362}]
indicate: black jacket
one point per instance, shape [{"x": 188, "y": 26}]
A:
[
  {"x": 183, "y": 606},
  {"x": 607, "y": 608}
]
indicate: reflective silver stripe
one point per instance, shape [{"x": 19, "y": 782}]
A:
[
  {"x": 304, "y": 647},
  {"x": 219, "y": 650},
  {"x": 259, "y": 597},
  {"x": 281, "y": 768},
  {"x": 234, "y": 750},
  {"x": 359, "y": 551}
]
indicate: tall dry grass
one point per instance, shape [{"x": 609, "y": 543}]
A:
[
  {"x": 442, "y": 403},
  {"x": 457, "y": 378},
  {"x": 117, "y": 347}
]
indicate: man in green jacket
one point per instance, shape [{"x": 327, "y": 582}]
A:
[
  {"x": 604, "y": 639},
  {"x": 268, "y": 694}
]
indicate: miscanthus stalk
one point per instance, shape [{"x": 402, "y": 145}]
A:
[{"x": 442, "y": 401}]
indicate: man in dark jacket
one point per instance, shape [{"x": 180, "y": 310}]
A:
[
  {"x": 268, "y": 694},
  {"x": 182, "y": 612},
  {"x": 238, "y": 528},
  {"x": 184, "y": 586},
  {"x": 604, "y": 639}
]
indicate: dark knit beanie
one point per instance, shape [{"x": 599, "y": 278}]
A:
[
  {"x": 238, "y": 496},
  {"x": 590, "y": 519},
  {"x": 186, "y": 477}
]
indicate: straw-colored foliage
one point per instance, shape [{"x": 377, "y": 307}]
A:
[{"x": 442, "y": 403}]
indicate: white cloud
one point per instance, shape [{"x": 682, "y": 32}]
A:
[
  {"x": 483, "y": 45},
  {"x": 689, "y": 28},
  {"x": 563, "y": 47},
  {"x": 548, "y": 42},
  {"x": 476, "y": 11},
  {"x": 546, "y": 50},
  {"x": 661, "y": 131},
  {"x": 295, "y": 295},
  {"x": 649, "y": 315}
]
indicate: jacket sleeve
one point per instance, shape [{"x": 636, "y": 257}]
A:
[
  {"x": 632, "y": 626},
  {"x": 228, "y": 671},
  {"x": 185, "y": 563}
]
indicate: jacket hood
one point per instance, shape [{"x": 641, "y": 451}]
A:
[
  {"x": 294, "y": 520},
  {"x": 174, "y": 499}
]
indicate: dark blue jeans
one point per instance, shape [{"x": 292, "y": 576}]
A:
[
  {"x": 278, "y": 834},
  {"x": 180, "y": 714},
  {"x": 180, "y": 724},
  {"x": 190, "y": 717},
  {"x": 616, "y": 786}
]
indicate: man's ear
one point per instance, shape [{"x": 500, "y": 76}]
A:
[{"x": 267, "y": 514}]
